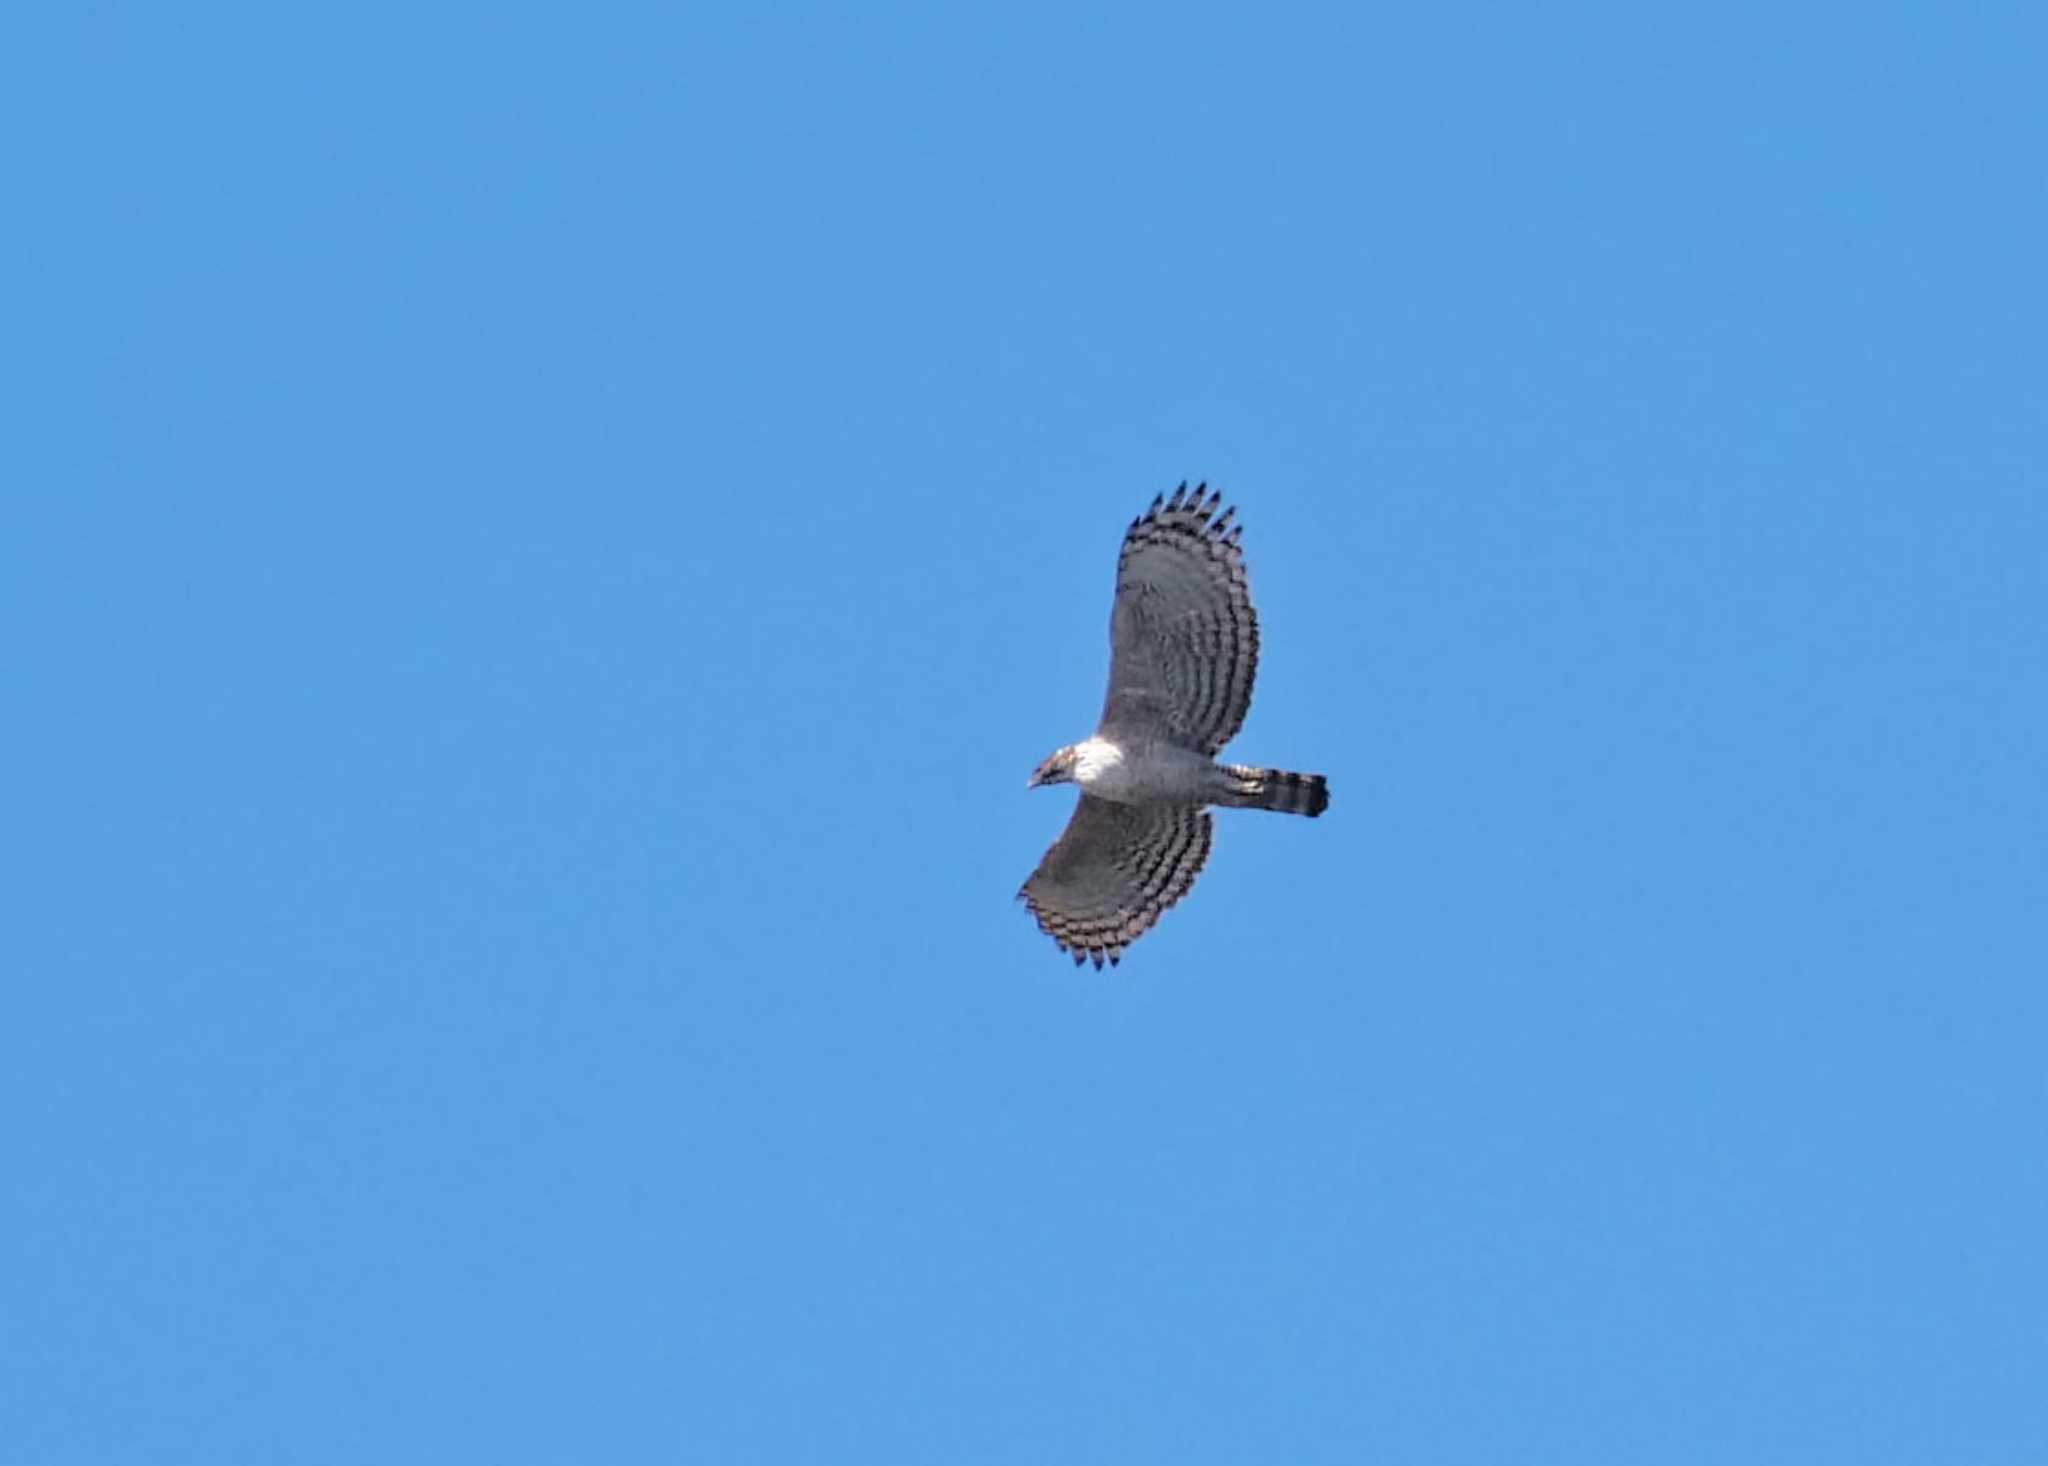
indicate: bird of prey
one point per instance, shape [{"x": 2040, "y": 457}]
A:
[{"x": 1183, "y": 646}]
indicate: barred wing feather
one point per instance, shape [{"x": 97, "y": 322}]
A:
[
  {"x": 1183, "y": 637},
  {"x": 1113, "y": 872}
]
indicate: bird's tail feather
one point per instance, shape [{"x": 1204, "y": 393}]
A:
[{"x": 1276, "y": 789}]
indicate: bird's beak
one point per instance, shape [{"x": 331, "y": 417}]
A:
[{"x": 1034, "y": 781}]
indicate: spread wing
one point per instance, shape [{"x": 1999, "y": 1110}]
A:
[
  {"x": 1113, "y": 871},
  {"x": 1183, "y": 637}
]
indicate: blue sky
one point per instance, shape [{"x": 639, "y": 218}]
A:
[{"x": 540, "y": 547}]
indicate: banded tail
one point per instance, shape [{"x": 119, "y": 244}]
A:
[{"x": 1276, "y": 789}]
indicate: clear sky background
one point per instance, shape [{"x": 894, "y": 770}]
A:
[{"x": 539, "y": 546}]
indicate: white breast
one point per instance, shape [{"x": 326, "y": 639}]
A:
[{"x": 1099, "y": 767}]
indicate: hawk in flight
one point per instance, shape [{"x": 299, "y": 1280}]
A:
[{"x": 1183, "y": 645}]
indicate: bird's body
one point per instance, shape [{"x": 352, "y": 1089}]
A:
[
  {"x": 1130, "y": 771},
  {"x": 1184, "y": 647}
]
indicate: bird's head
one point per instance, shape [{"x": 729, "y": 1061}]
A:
[{"x": 1058, "y": 768}]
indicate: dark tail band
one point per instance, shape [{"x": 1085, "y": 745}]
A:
[{"x": 1278, "y": 790}]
